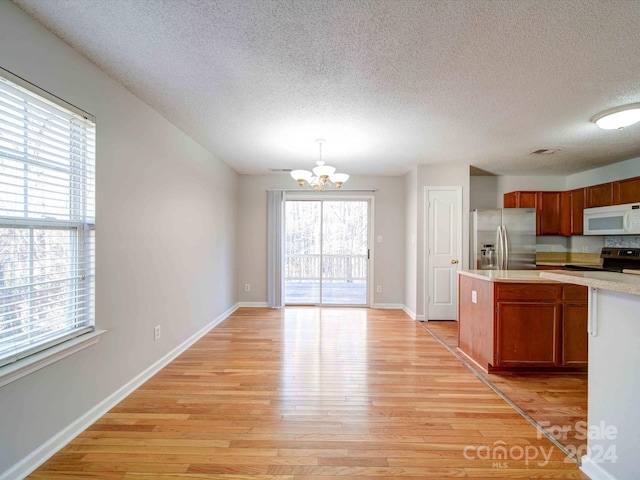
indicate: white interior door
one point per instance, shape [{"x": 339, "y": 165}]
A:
[{"x": 444, "y": 225}]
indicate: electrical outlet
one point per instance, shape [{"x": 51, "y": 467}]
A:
[
  {"x": 156, "y": 333},
  {"x": 474, "y": 296},
  {"x": 247, "y": 287},
  {"x": 585, "y": 249},
  {"x": 379, "y": 289},
  {"x": 553, "y": 248}
]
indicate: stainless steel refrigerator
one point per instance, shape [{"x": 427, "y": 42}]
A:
[{"x": 503, "y": 239}]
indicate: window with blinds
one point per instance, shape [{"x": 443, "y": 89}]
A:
[{"x": 47, "y": 220}]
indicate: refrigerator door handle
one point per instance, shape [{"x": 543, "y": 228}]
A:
[
  {"x": 500, "y": 247},
  {"x": 506, "y": 247}
]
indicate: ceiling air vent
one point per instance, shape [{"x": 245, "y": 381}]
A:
[
  {"x": 545, "y": 151},
  {"x": 286, "y": 170}
]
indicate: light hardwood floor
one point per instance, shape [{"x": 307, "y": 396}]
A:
[
  {"x": 557, "y": 402},
  {"x": 308, "y": 393}
]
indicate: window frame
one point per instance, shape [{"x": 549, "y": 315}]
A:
[{"x": 82, "y": 236}]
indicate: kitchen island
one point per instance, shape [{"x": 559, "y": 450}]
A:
[
  {"x": 614, "y": 383},
  {"x": 516, "y": 321}
]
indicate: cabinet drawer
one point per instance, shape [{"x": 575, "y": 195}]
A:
[
  {"x": 528, "y": 291},
  {"x": 574, "y": 292}
]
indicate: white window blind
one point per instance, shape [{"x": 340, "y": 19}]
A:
[{"x": 47, "y": 220}]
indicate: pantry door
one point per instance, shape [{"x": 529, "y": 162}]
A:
[
  {"x": 444, "y": 251},
  {"x": 327, "y": 252}
]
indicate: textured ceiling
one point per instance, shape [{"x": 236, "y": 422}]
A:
[{"x": 388, "y": 83}]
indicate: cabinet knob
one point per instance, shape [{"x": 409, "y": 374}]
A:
[{"x": 453, "y": 262}]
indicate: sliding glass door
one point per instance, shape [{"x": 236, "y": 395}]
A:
[{"x": 326, "y": 252}]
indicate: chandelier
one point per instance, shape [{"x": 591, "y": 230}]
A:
[{"x": 321, "y": 174}]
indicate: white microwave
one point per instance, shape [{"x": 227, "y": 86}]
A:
[{"x": 614, "y": 220}]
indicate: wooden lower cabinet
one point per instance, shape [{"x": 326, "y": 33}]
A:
[
  {"x": 574, "y": 342},
  {"x": 575, "y": 311},
  {"x": 527, "y": 333},
  {"x": 523, "y": 327}
]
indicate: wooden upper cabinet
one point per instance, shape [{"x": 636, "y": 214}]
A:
[
  {"x": 599, "y": 195},
  {"x": 520, "y": 200},
  {"x": 527, "y": 199},
  {"x": 561, "y": 213},
  {"x": 510, "y": 200},
  {"x": 577, "y": 206},
  {"x": 548, "y": 207},
  {"x": 565, "y": 213},
  {"x": 524, "y": 200},
  {"x": 626, "y": 191},
  {"x": 549, "y": 213},
  {"x": 571, "y": 212}
]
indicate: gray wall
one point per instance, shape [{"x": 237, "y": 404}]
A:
[
  {"x": 482, "y": 192},
  {"x": 512, "y": 183},
  {"x": 616, "y": 171},
  {"x": 165, "y": 240},
  {"x": 389, "y": 222},
  {"x": 178, "y": 232}
]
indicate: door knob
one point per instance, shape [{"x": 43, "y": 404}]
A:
[{"x": 453, "y": 262}]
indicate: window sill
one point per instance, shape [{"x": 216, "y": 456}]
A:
[{"x": 30, "y": 364}]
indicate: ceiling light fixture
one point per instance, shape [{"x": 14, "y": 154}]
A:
[
  {"x": 320, "y": 175},
  {"x": 619, "y": 117}
]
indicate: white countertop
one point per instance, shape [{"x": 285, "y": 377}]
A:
[
  {"x": 617, "y": 282},
  {"x": 512, "y": 276}
]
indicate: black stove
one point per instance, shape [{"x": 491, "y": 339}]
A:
[{"x": 613, "y": 260}]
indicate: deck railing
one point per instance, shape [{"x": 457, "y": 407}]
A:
[{"x": 305, "y": 268}]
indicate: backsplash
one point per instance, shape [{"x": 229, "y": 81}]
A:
[{"x": 624, "y": 241}]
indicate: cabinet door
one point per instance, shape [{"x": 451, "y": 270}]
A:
[
  {"x": 527, "y": 199},
  {"x": 626, "y": 191},
  {"x": 565, "y": 213},
  {"x": 520, "y": 200},
  {"x": 577, "y": 207},
  {"x": 510, "y": 200},
  {"x": 599, "y": 195},
  {"x": 527, "y": 334},
  {"x": 575, "y": 339},
  {"x": 549, "y": 213}
]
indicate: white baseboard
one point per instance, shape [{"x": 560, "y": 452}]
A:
[
  {"x": 45, "y": 451},
  {"x": 594, "y": 470},
  {"x": 409, "y": 312},
  {"x": 388, "y": 306},
  {"x": 253, "y": 304}
]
